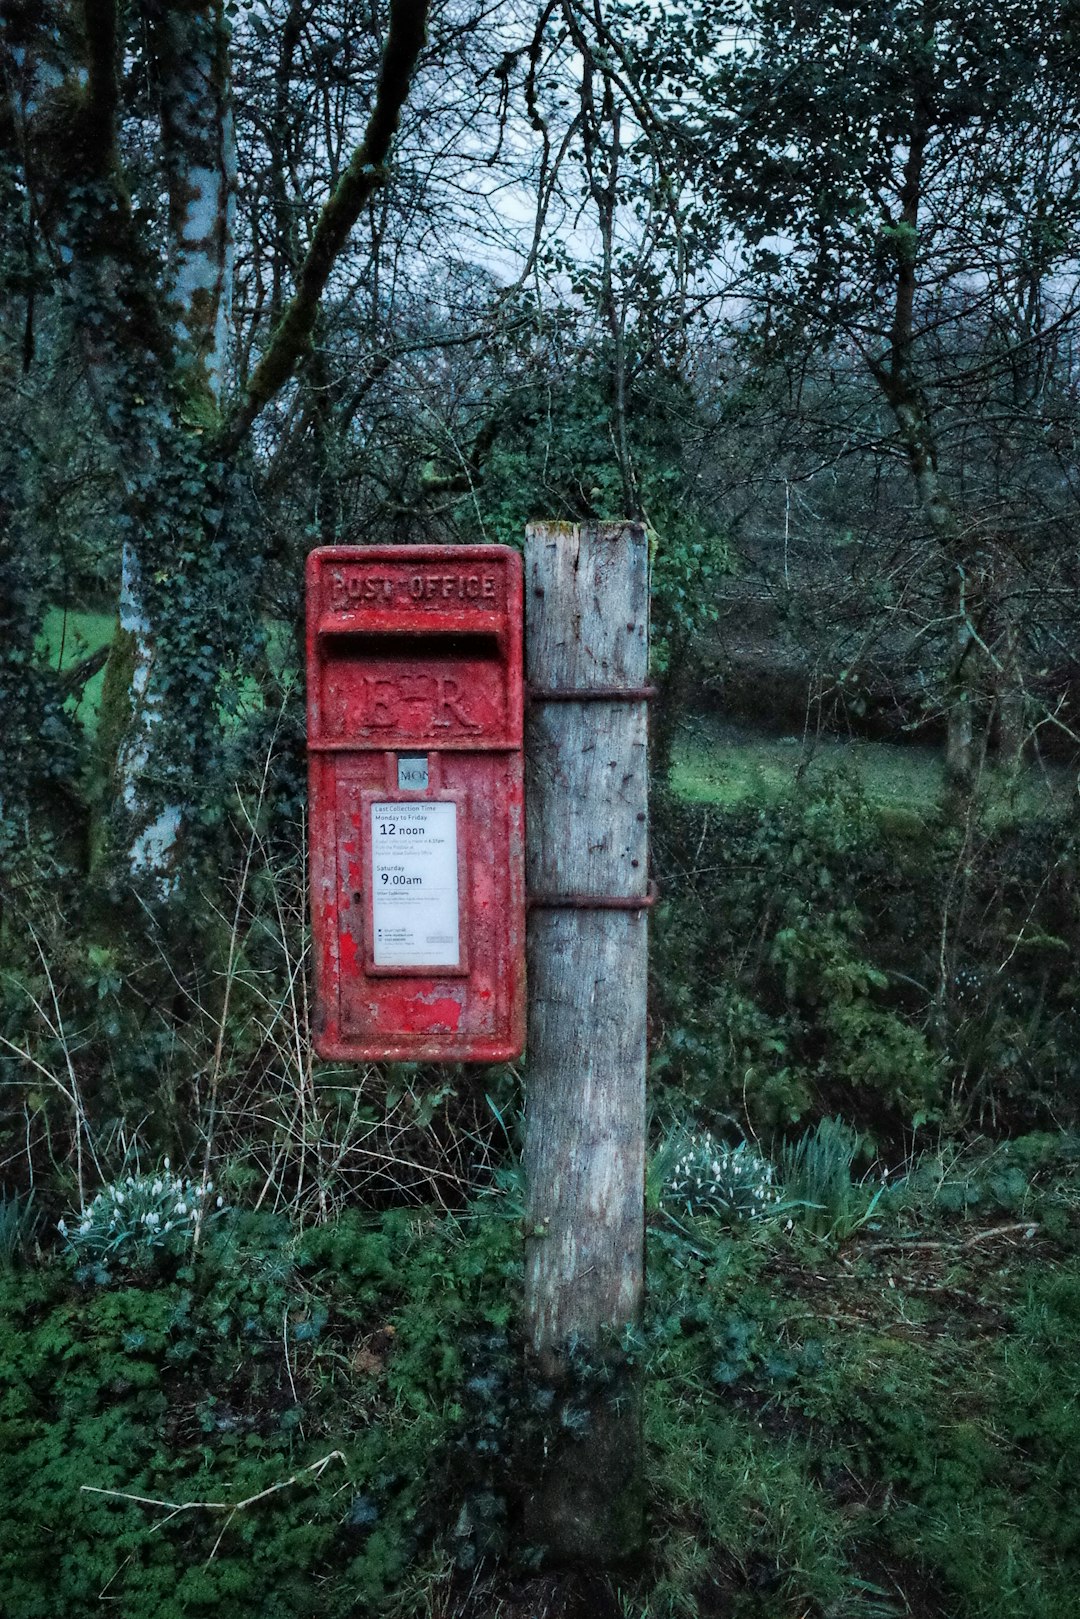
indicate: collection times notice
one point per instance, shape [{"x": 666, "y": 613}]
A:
[{"x": 414, "y": 884}]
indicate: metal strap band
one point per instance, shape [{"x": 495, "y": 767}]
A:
[
  {"x": 590, "y": 694},
  {"x": 460, "y": 744},
  {"x": 595, "y": 902}
]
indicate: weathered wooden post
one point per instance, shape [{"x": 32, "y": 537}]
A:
[{"x": 586, "y": 659}]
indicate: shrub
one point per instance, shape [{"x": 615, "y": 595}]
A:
[{"x": 816, "y": 1171}]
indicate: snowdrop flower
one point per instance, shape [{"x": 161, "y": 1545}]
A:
[
  {"x": 710, "y": 1177},
  {"x": 127, "y": 1221}
]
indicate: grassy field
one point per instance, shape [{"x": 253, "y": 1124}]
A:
[
  {"x": 67, "y": 636},
  {"x": 732, "y": 766}
]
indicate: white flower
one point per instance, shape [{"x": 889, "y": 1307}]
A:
[
  {"x": 61, "y": 1226},
  {"x": 166, "y": 1163},
  {"x": 221, "y": 1202}
]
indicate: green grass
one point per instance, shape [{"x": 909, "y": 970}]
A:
[
  {"x": 735, "y": 767},
  {"x": 714, "y": 762},
  {"x": 70, "y": 634},
  {"x": 67, "y": 636},
  {"x": 875, "y": 1427}
]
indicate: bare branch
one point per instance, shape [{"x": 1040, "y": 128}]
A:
[{"x": 365, "y": 173}]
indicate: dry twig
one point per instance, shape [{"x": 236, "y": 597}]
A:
[{"x": 173, "y": 1508}]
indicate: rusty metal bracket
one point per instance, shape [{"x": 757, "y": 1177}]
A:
[
  {"x": 590, "y": 694},
  {"x": 595, "y": 902}
]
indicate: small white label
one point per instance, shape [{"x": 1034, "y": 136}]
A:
[
  {"x": 412, "y": 772},
  {"x": 414, "y": 884}
]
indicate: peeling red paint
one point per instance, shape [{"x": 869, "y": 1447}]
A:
[
  {"x": 417, "y": 650},
  {"x": 427, "y": 1016}
]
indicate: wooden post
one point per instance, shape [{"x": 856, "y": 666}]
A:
[{"x": 587, "y": 630}]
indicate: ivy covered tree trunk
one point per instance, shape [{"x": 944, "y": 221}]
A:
[
  {"x": 199, "y": 155},
  {"x": 1010, "y": 697},
  {"x": 154, "y": 331},
  {"x": 153, "y": 365},
  {"x": 199, "y": 148},
  {"x": 960, "y": 750}
]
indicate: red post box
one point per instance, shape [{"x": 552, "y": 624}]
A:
[{"x": 414, "y": 682}]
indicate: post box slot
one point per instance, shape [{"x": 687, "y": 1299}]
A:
[
  {"x": 411, "y": 647},
  {"x": 421, "y": 622}
]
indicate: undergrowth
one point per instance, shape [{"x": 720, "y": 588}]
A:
[
  {"x": 815, "y": 958},
  {"x": 844, "y": 1422},
  {"x": 860, "y": 1392},
  {"x": 273, "y": 1350},
  {"x": 880, "y": 1428}
]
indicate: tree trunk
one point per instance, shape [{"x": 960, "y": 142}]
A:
[
  {"x": 587, "y": 626},
  {"x": 156, "y": 357},
  {"x": 960, "y": 685},
  {"x": 200, "y": 162},
  {"x": 199, "y": 149},
  {"x": 153, "y": 410},
  {"x": 1011, "y": 702},
  {"x": 960, "y": 740}
]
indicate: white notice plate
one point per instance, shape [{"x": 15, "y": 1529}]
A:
[{"x": 414, "y": 884}]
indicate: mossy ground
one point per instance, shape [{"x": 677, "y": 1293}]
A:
[{"x": 873, "y": 1428}]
